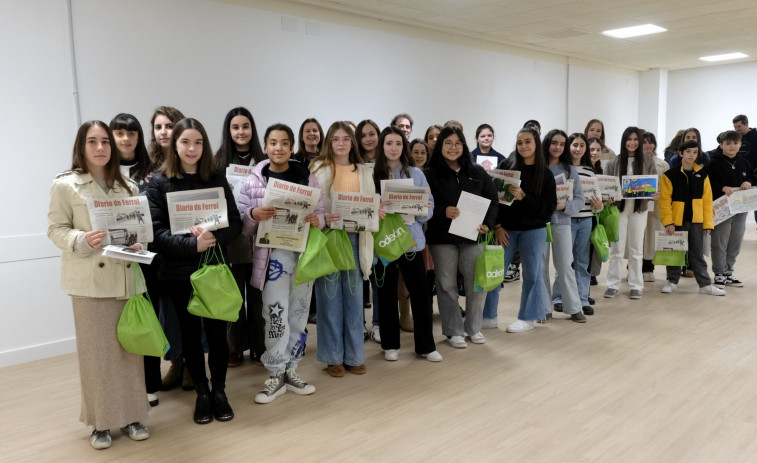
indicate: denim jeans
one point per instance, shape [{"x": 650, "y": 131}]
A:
[
  {"x": 530, "y": 244},
  {"x": 580, "y": 229},
  {"x": 340, "y": 314},
  {"x": 562, "y": 249}
]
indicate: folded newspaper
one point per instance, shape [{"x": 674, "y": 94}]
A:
[
  {"x": 127, "y": 220},
  {"x": 358, "y": 211},
  {"x": 205, "y": 208},
  {"x": 126, "y": 253}
]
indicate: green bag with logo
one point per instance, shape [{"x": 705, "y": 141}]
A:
[
  {"x": 599, "y": 240},
  {"x": 315, "y": 261},
  {"x": 490, "y": 266},
  {"x": 216, "y": 294},
  {"x": 340, "y": 249},
  {"x": 609, "y": 216},
  {"x": 392, "y": 239},
  {"x": 139, "y": 330}
]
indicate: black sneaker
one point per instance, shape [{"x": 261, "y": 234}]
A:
[
  {"x": 593, "y": 281},
  {"x": 588, "y": 310},
  {"x": 731, "y": 281},
  {"x": 591, "y": 301},
  {"x": 512, "y": 274},
  {"x": 557, "y": 306}
]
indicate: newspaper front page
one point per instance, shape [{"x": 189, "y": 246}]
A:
[
  {"x": 358, "y": 211},
  {"x": 205, "y": 208},
  {"x": 502, "y": 180},
  {"x": 287, "y": 229},
  {"x": 127, "y": 220},
  {"x": 235, "y": 175}
]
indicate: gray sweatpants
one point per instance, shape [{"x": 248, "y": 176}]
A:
[
  {"x": 696, "y": 256},
  {"x": 726, "y": 243},
  {"x": 285, "y": 312},
  {"x": 448, "y": 259}
]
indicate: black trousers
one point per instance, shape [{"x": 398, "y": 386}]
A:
[
  {"x": 191, "y": 328},
  {"x": 248, "y": 331},
  {"x": 414, "y": 273}
]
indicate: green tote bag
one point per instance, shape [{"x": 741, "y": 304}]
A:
[
  {"x": 490, "y": 266},
  {"x": 139, "y": 330},
  {"x": 340, "y": 249},
  {"x": 216, "y": 294},
  {"x": 601, "y": 243},
  {"x": 392, "y": 239}
]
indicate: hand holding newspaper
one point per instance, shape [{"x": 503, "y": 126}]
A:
[
  {"x": 287, "y": 229},
  {"x": 502, "y": 180},
  {"x": 126, "y": 220}
]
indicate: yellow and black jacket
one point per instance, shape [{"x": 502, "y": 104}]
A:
[{"x": 675, "y": 192}]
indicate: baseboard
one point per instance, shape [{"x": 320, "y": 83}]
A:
[{"x": 40, "y": 351}]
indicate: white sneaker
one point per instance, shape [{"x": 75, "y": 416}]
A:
[
  {"x": 489, "y": 323},
  {"x": 376, "y": 334},
  {"x": 434, "y": 356},
  {"x": 100, "y": 439},
  {"x": 152, "y": 399},
  {"x": 391, "y": 354},
  {"x": 478, "y": 338},
  {"x": 648, "y": 276},
  {"x": 458, "y": 342},
  {"x": 136, "y": 431},
  {"x": 669, "y": 287},
  {"x": 712, "y": 290},
  {"x": 520, "y": 326}
]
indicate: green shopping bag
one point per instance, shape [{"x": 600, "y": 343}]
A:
[
  {"x": 392, "y": 239},
  {"x": 490, "y": 266},
  {"x": 139, "y": 330},
  {"x": 670, "y": 258},
  {"x": 216, "y": 294},
  {"x": 601, "y": 243},
  {"x": 609, "y": 216},
  {"x": 549, "y": 232},
  {"x": 315, "y": 261},
  {"x": 340, "y": 249}
]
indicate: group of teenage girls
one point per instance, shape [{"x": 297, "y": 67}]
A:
[{"x": 114, "y": 161}]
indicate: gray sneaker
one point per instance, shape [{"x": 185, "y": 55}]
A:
[
  {"x": 100, "y": 439},
  {"x": 635, "y": 294},
  {"x": 274, "y": 387},
  {"x": 136, "y": 431},
  {"x": 296, "y": 384},
  {"x": 610, "y": 292},
  {"x": 578, "y": 317}
]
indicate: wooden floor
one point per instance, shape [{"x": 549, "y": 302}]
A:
[{"x": 668, "y": 378}]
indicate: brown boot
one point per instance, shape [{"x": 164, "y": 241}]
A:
[
  {"x": 173, "y": 376},
  {"x": 406, "y": 318},
  {"x": 186, "y": 381}
]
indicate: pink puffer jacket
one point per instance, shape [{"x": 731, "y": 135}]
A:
[{"x": 251, "y": 196}]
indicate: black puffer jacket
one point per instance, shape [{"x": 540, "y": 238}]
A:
[
  {"x": 178, "y": 253},
  {"x": 446, "y": 186}
]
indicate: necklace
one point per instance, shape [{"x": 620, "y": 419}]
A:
[{"x": 732, "y": 164}]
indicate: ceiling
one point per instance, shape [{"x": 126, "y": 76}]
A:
[{"x": 572, "y": 27}]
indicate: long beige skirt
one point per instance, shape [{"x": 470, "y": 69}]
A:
[{"x": 112, "y": 380}]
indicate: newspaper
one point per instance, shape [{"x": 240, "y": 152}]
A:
[
  {"x": 235, "y": 175},
  {"x": 126, "y": 253},
  {"x": 205, "y": 208},
  {"x": 127, "y": 220},
  {"x": 406, "y": 200},
  {"x": 502, "y": 180},
  {"x": 287, "y": 229},
  {"x": 638, "y": 186},
  {"x": 742, "y": 201},
  {"x": 358, "y": 211},
  {"x": 609, "y": 187},
  {"x": 678, "y": 241},
  {"x": 399, "y": 182},
  {"x": 720, "y": 210},
  {"x": 590, "y": 187},
  {"x": 565, "y": 192}
]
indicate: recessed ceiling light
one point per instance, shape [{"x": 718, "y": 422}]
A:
[
  {"x": 724, "y": 57},
  {"x": 634, "y": 31}
]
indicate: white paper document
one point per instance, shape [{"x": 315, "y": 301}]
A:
[
  {"x": 126, "y": 253},
  {"x": 287, "y": 229},
  {"x": 472, "y": 213},
  {"x": 742, "y": 201},
  {"x": 204, "y": 208},
  {"x": 127, "y": 220}
]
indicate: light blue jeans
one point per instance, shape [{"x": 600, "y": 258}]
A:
[
  {"x": 531, "y": 244},
  {"x": 562, "y": 249},
  {"x": 580, "y": 228},
  {"x": 340, "y": 314}
]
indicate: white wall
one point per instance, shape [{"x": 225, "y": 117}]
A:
[
  {"x": 708, "y": 99},
  {"x": 205, "y": 57}
]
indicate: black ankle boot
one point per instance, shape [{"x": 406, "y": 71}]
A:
[
  {"x": 203, "y": 411},
  {"x": 220, "y": 404}
]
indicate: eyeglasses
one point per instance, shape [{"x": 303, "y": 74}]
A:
[{"x": 457, "y": 145}]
